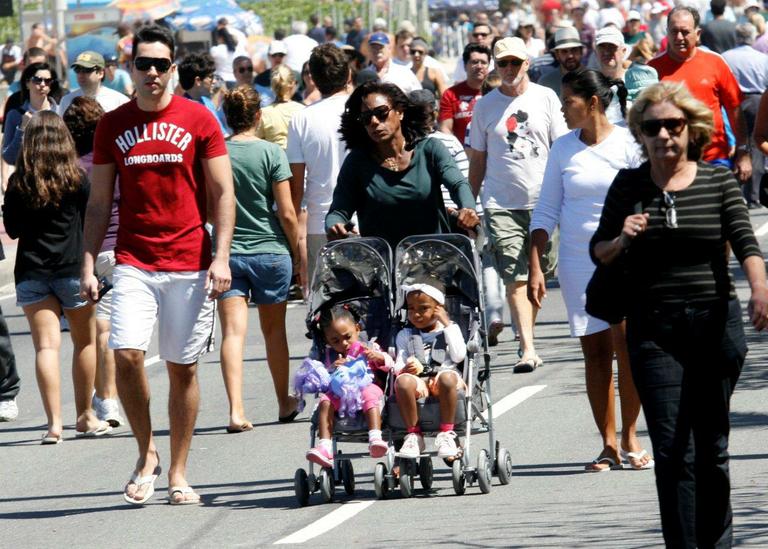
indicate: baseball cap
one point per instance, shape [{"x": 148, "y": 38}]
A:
[
  {"x": 379, "y": 38},
  {"x": 277, "y": 47},
  {"x": 423, "y": 97},
  {"x": 609, "y": 35},
  {"x": 110, "y": 59},
  {"x": 567, "y": 37},
  {"x": 753, "y": 4},
  {"x": 510, "y": 47},
  {"x": 528, "y": 21},
  {"x": 634, "y": 15},
  {"x": 89, "y": 60}
]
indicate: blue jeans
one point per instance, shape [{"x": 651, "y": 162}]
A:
[
  {"x": 685, "y": 363},
  {"x": 9, "y": 376}
]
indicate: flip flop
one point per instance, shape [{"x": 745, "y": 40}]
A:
[
  {"x": 184, "y": 491},
  {"x": 289, "y": 418},
  {"x": 525, "y": 366},
  {"x": 247, "y": 426},
  {"x": 629, "y": 456},
  {"x": 50, "y": 439},
  {"x": 600, "y": 460},
  {"x": 104, "y": 428},
  {"x": 140, "y": 481}
]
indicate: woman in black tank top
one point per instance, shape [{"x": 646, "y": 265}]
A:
[{"x": 431, "y": 79}]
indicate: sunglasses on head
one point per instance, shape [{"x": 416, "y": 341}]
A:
[
  {"x": 161, "y": 64},
  {"x": 503, "y": 63},
  {"x": 84, "y": 70},
  {"x": 674, "y": 126},
  {"x": 241, "y": 70},
  {"x": 381, "y": 113},
  {"x": 40, "y": 80}
]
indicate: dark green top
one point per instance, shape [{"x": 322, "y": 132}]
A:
[{"x": 393, "y": 205}]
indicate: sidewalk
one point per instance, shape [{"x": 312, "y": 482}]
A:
[{"x": 6, "y": 266}]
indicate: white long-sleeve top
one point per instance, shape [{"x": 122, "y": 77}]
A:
[{"x": 454, "y": 340}]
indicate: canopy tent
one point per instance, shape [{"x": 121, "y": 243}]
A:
[
  {"x": 134, "y": 10},
  {"x": 198, "y": 15}
]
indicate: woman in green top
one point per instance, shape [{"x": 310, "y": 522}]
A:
[
  {"x": 392, "y": 176},
  {"x": 263, "y": 244}
]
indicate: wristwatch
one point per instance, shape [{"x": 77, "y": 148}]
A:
[{"x": 743, "y": 148}]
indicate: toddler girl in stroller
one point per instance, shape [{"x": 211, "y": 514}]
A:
[
  {"x": 428, "y": 353},
  {"x": 340, "y": 328}
]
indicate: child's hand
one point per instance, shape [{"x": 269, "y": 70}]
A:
[
  {"x": 413, "y": 366},
  {"x": 442, "y": 315},
  {"x": 374, "y": 356},
  {"x": 341, "y": 361}
]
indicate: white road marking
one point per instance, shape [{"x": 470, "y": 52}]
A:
[
  {"x": 762, "y": 230},
  {"x": 7, "y": 296},
  {"x": 348, "y": 510},
  {"x": 327, "y": 523},
  {"x": 513, "y": 399}
]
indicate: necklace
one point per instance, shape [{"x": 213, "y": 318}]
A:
[{"x": 392, "y": 163}]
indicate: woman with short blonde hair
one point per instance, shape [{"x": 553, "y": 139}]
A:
[{"x": 276, "y": 117}]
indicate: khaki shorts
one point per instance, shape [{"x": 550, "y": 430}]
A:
[
  {"x": 508, "y": 231},
  {"x": 426, "y": 386}
]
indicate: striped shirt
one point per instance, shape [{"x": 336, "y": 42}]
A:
[{"x": 687, "y": 264}]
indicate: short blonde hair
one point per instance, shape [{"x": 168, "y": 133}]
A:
[
  {"x": 283, "y": 82},
  {"x": 699, "y": 117}
]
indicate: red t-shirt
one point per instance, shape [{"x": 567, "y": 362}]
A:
[
  {"x": 162, "y": 187},
  {"x": 457, "y": 103},
  {"x": 709, "y": 80}
]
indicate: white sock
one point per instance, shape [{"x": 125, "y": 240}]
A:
[{"x": 374, "y": 434}]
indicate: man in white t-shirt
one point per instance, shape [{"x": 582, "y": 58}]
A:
[
  {"x": 511, "y": 132},
  {"x": 315, "y": 150},
  {"x": 378, "y": 45},
  {"x": 89, "y": 68},
  {"x": 299, "y": 46}
]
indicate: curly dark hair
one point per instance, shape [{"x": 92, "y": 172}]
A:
[
  {"x": 194, "y": 65},
  {"x": 329, "y": 68},
  {"x": 416, "y": 124},
  {"x": 81, "y": 118}
]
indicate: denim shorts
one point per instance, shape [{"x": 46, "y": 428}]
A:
[
  {"x": 66, "y": 290},
  {"x": 265, "y": 278}
]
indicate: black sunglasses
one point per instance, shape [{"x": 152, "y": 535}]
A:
[
  {"x": 503, "y": 63},
  {"x": 670, "y": 214},
  {"x": 480, "y": 34},
  {"x": 674, "y": 126},
  {"x": 161, "y": 64},
  {"x": 40, "y": 80},
  {"x": 241, "y": 70},
  {"x": 84, "y": 70},
  {"x": 381, "y": 113}
]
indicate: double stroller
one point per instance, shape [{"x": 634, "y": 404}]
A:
[{"x": 359, "y": 272}]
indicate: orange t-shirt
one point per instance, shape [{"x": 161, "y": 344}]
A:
[{"x": 708, "y": 78}]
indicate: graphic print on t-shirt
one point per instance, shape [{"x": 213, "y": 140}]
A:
[
  {"x": 521, "y": 144},
  {"x": 154, "y": 131}
]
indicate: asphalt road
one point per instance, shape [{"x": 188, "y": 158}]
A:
[{"x": 70, "y": 494}]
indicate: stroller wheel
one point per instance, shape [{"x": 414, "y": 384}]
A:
[
  {"x": 348, "y": 476},
  {"x": 459, "y": 480},
  {"x": 407, "y": 470},
  {"x": 484, "y": 471},
  {"x": 327, "y": 484},
  {"x": 425, "y": 472},
  {"x": 504, "y": 466},
  {"x": 301, "y": 487},
  {"x": 380, "y": 482}
]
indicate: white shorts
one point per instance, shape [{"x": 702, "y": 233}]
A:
[
  {"x": 178, "y": 300},
  {"x": 105, "y": 267}
]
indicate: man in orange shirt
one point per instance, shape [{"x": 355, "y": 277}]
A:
[{"x": 709, "y": 79}]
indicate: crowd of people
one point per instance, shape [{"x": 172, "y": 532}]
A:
[{"x": 617, "y": 140}]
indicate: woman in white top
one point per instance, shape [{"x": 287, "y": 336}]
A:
[
  {"x": 582, "y": 165},
  {"x": 224, "y": 53}
]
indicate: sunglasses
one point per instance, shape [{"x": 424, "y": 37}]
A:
[
  {"x": 40, "y": 80},
  {"x": 417, "y": 52},
  {"x": 504, "y": 63},
  {"x": 161, "y": 64},
  {"x": 480, "y": 34},
  {"x": 241, "y": 70},
  {"x": 674, "y": 126},
  {"x": 84, "y": 70},
  {"x": 670, "y": 213},
  {"x": 381, "y": 113}
]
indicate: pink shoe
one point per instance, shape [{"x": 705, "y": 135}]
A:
[
  {"x": 377, "y": 448},
  {"x": 321, "y": 456}
]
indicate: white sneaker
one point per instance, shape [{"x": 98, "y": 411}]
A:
[
  {"x": 109, "y": 411},
  {"x": 446, "y": 444},
  {"x": 413, "y": 446},
  {"x": 8, "y": 410}
]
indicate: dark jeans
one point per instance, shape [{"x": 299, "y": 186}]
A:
[
  {"x": 685, "y": 363},
  {"x": 9, "y": 377}
]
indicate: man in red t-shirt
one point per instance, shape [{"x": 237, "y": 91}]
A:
[
  {"x": 171, "y": 160},
  {"x": 457, "y": 102},
  {"x": 708, "y": 78}
]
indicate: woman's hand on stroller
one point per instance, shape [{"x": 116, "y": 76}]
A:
[
  {"x": 468, "y": 220},
  {"x": 342, "y": 230}
]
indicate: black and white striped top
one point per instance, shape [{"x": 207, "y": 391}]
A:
[{"x": 687, "y": 264}]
